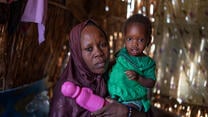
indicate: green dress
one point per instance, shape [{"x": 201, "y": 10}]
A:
[{"x": 129, "y": 90}]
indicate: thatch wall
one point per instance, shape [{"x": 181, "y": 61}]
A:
[{"x": 23, "y": 60}]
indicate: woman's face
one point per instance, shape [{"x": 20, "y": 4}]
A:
[
  {"x": 136, "y": 40},
  {"x": 95, "y": 49}
]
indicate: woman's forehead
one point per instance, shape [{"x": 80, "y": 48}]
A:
[
  {"x": 91, "y": 34},
  {"x": 91, "y": 30}
]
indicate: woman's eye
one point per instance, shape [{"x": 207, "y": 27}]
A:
[
  {"x": 103, "y": 45},
  {"x": 89, "y": 49}
]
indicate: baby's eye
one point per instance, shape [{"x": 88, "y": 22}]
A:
[
  {"x": 141, "y": 40},
  {"x": 128, "y": 39}
]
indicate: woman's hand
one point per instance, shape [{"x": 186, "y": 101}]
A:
[
  {"x": 112, "y": 109},
  {"x": 115, "y": 109}
]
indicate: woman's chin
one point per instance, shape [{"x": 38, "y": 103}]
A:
[{"x": 99, "y": 71}]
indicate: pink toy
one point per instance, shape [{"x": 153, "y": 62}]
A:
[{"x": 84, "y": 96}]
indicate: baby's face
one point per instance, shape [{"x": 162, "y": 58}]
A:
[{"x": 135, "y": 39}]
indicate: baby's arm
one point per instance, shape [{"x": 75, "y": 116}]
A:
[{"x": 146, "y": 82}]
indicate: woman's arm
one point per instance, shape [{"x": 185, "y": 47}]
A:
[{"x": 115, "y": 109}]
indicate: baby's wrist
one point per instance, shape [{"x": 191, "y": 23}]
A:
[{"x": 138, "y": 77}]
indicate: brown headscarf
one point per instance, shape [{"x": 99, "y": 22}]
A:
[{"x": 77, "y": 72}]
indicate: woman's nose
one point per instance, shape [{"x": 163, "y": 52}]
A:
[{"x": 98, "y": 52}]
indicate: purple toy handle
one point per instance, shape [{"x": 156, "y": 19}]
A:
[{"x": 84, "y": 96}]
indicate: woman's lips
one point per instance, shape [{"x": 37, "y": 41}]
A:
[{"x": 100, "y": 64}]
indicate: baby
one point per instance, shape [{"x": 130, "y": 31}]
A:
[{"x": 134, "y": 71}]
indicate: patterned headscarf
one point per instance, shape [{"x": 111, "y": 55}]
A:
[{"x": 78, "y": 73}]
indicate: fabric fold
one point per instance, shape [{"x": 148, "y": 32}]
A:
[{"x": 36, "y": 12}]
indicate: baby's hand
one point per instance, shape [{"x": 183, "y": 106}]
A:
[{"x": 131, "y": 75}]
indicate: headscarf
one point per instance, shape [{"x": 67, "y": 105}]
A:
[{"x": 78, "y": 73}]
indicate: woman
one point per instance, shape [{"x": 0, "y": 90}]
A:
[{"x": 88, "y": 62}]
